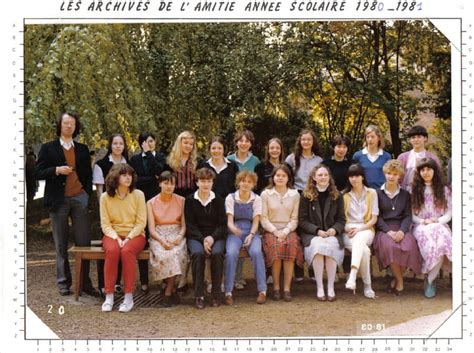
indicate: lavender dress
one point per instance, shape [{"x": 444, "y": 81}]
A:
[
  {"x": 395, "y": 214},
  {"x": 434, "y": 240}
]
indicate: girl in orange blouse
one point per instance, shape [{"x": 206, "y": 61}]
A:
[{"x": 169, "y": 254}]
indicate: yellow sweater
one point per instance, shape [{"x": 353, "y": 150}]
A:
[{"x": 122, "y": 218}]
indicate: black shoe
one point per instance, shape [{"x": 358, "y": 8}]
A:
[
  {"x": 91, "y": 291},
  {"x": 64, "y": 291},
  {"x": 215, "y": 301},
  {"x": 199, "y": 303},
  {"x": 166, "y": 303},
  {"x": 175, "y": 300},
  {"x": 182, "y": 289},
  {"x": 145, "y": 290}
]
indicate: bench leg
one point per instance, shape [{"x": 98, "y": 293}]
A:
[{"x": 78, "y": 276}]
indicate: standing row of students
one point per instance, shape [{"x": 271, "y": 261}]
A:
[{"x": 327, "y": 221}]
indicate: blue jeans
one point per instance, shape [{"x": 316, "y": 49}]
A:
[{"x": 233, "y": 245}]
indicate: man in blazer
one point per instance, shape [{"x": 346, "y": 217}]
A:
[{"x": 66, "y": 167}]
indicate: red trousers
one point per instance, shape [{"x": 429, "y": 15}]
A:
[{"x": 128, "y": 254}]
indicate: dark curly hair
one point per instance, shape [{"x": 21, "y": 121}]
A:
[
  {"x": 112, "y": 179},
  {"x": 418, "y": 186}
]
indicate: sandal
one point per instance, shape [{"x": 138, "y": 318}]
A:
[{"x": 391, "y": 285}]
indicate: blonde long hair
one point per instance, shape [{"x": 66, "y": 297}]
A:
[
  {"x": 174, "y": 158},
  {"x": 311, "y": 191}
]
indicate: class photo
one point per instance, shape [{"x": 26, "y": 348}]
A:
[{"x": 285, "y": 179}]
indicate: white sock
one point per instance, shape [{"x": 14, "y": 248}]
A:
[
  {"x": 331, "y": 267},
  {"x": 109, "y": 298},
  {"x": 318, "y": 266},
  {"x": 128, "y": 299}
]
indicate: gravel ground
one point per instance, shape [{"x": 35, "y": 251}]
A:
[{"x": 304, "y": 317}]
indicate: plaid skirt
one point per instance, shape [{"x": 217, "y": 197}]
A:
[{"x": 289, "y": 249}]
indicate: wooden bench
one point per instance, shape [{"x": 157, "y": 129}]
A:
[{"x": 93, "y": 252}]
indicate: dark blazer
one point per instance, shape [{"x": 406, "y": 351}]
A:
[
  {"x": 51, "y": 155},
  {"x": 147, "y": 179},
  {"x": 310, "y": 218}
]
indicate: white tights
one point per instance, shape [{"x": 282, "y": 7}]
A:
[{"x": 331, "y": 267}]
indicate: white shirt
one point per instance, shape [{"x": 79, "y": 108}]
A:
[
  {"x": 256, "y": 207},
  {"x": 221, "y": 168},
  {"x": 358, "y": 207},
  {"x": 152, "y": 152},
  {"x": 98, "y": 175},
  {"x": 372, "y": 157},
  {"x": 388, "y": 193},
  {"x": 66, "y": 145},
  {"x": 211, "y": 197}
]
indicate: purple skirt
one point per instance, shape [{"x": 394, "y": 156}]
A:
[{"x": 404, "y": 254}]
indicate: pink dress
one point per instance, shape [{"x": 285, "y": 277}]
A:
[
  {"x": 435, "y": 239},
  {"x": 168, "y": 263}
]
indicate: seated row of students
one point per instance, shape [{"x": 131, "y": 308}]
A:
[{"x": 326, "y": 221}]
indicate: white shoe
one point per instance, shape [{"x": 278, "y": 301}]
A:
[
  {"x": 107, "y": 307},
  {"x": 369, "y": 293},
  {"x": 125, "y": 308},
  {"x": 351, "y": 285},
  {"x": 270, "y": 279},
  {"x": 238, "y": 285},
  {"x": 209, "y": 288}
]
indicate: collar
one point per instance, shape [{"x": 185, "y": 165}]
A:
[
  {"x": 249, "y": 155},
  {"x": 322, "y": 190},
  {"x": 237, "y": 197},
  {"x": 289, "y": 192},
  {"x": 152, "y": 152},
  {"x": 211, "y": 197},
  {"x": 310, "y": 157},
  {"x": 66, "y": 145},
  {"x": 388, "y": 193},
  {"x": 209, "y": 161},
  {"x": 123, "y": 160},
  {"x": 362, "y": 196},
  {"x": 379, "y": 153},
  {"x": 418, "y": 154}
]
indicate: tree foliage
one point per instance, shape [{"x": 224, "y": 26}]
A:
[{"x": 213, "y": 78}]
